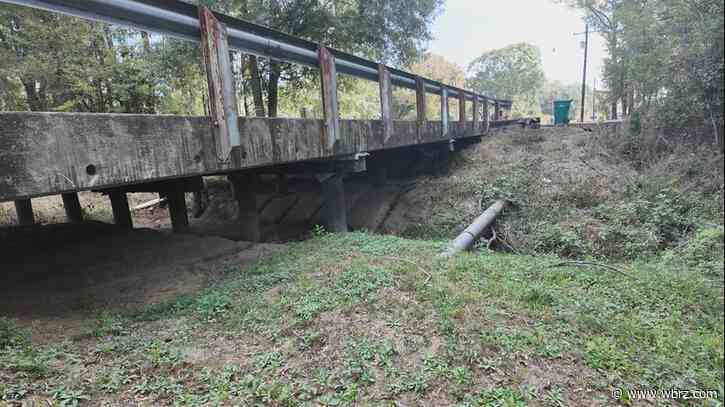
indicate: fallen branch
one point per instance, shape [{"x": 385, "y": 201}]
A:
[
  {"x": 429, "y": 276},
  {"x": 578, "y": 263}
]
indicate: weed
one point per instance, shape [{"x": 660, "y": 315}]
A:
[
  {"x": 212, "y": 305},
  {"x": 25, "y": 360},
  {"x": 161, "y": 353},
  {"x": 498, "y": 396},
  {"x": 10, "y": 334},
  {"x": 68, "y": 397},
  {"x": 361, "y": 282},
  {"x": 318, "y": 231},
  {"x": 268, "y": 360},
  {"x": 105, "y": 324},
  {"x": 537, "y": 297},
  {"x": 602, "y": 353}
]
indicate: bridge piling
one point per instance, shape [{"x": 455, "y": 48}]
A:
[
  {"x": 120, "y": 209},
  {"x": 334, "y": 208},
  {"x": 245, "y": 187},
  {"x": 177, "y": 208},
  {"x": 24, "y": 211},
  {"x": 72, "y": 206}
]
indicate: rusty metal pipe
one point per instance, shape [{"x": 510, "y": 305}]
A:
[{"x": 465, "y": 240}]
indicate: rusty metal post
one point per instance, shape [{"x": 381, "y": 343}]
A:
[
  {"x": 486, "y": 118},
  {"x": 444, "y": 111},
  {"x": 420, "y": 106},
  {"x": 462, "y": 113},
  {"x": 328, "y": 74},
  {"x": 220, "y": 80},
  {"x": 386, "y": 102},
  {"x": 475, "y": 107}
]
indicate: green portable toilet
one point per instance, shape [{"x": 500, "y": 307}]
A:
[{"x": 561, "y": 111}]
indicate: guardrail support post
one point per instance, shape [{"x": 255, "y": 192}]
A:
[
  {"x": 475, "y": 108},
  {"x": 462, "y": 112},
  {"x": 486, "y": 118},
  {"x": 220, "y": 79},
  {"x": 386, "y": 102},
  {"x": 420, "y": 107},
  {"x": 24, "y": 212},
  {"x": 328, "y": 74},
  {"x": 72, "y": 207},
  {"x": 444, "y": 111}
]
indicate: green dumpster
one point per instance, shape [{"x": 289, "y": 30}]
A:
[{"x": 561, "y": 111}]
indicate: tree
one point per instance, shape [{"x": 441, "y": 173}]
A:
[
  {"x": 434, "y": 67},
  {"x": 392, "y": 31},
  {"x": 666, "y": 59},
  {"x": 513, "y": 72}
]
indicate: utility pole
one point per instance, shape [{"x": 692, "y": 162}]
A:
[{"x": 584, "y": 74}]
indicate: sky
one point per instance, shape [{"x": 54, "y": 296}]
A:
[{"x": 467, "y": 28}]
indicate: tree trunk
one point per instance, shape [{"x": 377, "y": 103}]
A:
[{"x": 256, "y": 84}]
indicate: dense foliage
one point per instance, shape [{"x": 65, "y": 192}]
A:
[
  {"x": 53, "y": 62},
  {"x": 513, "y": 72},
  {"x": 665, "y": 59}
]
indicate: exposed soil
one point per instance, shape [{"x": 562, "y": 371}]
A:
[{"x": 54, "y": 288}]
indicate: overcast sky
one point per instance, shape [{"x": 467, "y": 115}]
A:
[{"x": 467, "y": 28}]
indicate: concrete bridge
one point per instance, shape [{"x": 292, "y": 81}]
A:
[{"x": 64, "y": 153}]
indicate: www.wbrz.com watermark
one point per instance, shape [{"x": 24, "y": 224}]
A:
[{"x": 620, "y": 393}]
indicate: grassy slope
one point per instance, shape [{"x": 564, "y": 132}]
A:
[{"x": 355, "y": 319}]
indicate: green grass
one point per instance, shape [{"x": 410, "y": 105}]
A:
[{"x": 354, "y": 320}]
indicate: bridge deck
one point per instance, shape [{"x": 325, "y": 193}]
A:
[{"x": 52, "y": 153}]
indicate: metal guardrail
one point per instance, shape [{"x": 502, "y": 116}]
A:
[{"x": 181, "y": 20}]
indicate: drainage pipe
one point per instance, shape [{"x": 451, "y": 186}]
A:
[{"x": 465, "y": 240}]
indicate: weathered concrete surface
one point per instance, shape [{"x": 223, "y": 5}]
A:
[{"x": 51, "y": 153}]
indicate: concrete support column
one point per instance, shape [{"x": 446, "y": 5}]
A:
[
  {"x": 24, "y": 210},
  {"x": 380, "y": 175},
  {"x": 72, "y": 207},
  {"x": 177, "y": 210},
  {"x": 245, "y": 193},
  {"x": 121, "y": 211},
  {"x": 334, "y": 211}
]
